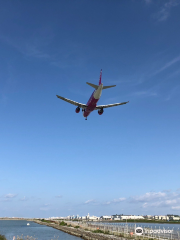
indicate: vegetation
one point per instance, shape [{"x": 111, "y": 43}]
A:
[
  {"x": 69, "y": 225},
  {"x": 43, "y": 220},
  {"x": 2, "y": 237},
  {"x": 121, "y": 235},
  {"x": 63, "y": 223},
  {"x": 98, "y": 231},
  {"x": 76, "y": 227}
]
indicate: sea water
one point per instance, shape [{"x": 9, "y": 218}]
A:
[{"x": 19, "y": 228}]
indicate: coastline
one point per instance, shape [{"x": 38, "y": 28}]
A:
[{"x": 79, "y": 232}]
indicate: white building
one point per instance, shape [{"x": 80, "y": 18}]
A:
[
  {"x": 161, "y": 217},
  {"x": 124, "y": 217},
  {"x": 106, "y": 217},
  {"x": 149, "y": 217},
  {"x": 174, "y": 218},
  {"x": 92, "y": 218},
  {"x": 116, "y": 217}
]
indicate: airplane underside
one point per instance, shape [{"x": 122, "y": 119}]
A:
[{"x": 92, "y": 103}]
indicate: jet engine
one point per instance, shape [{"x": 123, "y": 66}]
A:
[
  {"x": 77, "y": 109},
  {"x": 100, "y": 112}
]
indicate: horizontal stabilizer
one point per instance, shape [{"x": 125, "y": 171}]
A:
[
  {"x": 92, "y": 85},
  {"x": 105, "y": 87}
]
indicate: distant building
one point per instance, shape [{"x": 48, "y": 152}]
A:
[
  {"x": 92, "y": 218},
  {"x": 106, "y": 217},
  {"x": 149, "y": 217},
  {"x": 174, "y": 218},
  {"x": 124, "y": 217},
  {"x": 161, "y": 217}
]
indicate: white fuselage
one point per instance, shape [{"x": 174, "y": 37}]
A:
[{"x": 97, "y": 93}]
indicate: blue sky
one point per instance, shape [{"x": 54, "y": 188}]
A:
[{"x": 53, "y": 162}]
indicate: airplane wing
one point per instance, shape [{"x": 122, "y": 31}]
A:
[
  {"x": 81, "y": 105},
  {"x": 109, "y": 105}
]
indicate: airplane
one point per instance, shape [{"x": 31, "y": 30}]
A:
[{"x": 91, "y": 104}]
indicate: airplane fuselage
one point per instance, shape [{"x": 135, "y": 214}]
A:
[{"x": 92, "y": 102}]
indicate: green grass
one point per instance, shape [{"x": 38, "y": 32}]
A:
[
  {"x": 121, "y": 235},
  {"x": 98, "y": 231},
  {"x": 63, "y": 223},
  {"x": 47, "y": 221},
  {"x": 76, "y": 227}
]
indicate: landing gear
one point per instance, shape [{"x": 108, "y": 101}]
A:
[{"x": 83, "y": 110}]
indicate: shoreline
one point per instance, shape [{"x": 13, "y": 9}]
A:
[
  {"x": 114, "y": 221},
  {"x": 79, "y": 232}
]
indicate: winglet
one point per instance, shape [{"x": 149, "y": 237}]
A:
[{"x": 100, "y": 77}]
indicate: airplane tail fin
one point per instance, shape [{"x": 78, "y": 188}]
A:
[
  {"x": 96, "y": 86},
  {"x": 93, "y": 85},
  {"x": 100, "y": 77}
]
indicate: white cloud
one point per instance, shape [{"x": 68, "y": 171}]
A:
[
  {"x": 23, "y": 199},
  {"x": 158, "y": 199},
  {"x": 176, "y": 208},
  {"x": 89, "y": 201},
  {"x": 173, "y": 92},
  {"x": 115, "y": 201},
  {"x": 150, "y": 196},
  {"x": 119, "y": 200},
  {"x": 44, "y": 209},
  {"x": 10, "y": 195},
  {"x": 148, "y": 1},
  {"x": 47, "y": 204},
  {"x": 167, "y": 65},
  {"x": 27, "y": 48},
  {"x": 107, "y": 203},
  {"x": 147, "y": 93},
  {"x": 58, "y": 196},
  {"x": 164, "y": 12}
]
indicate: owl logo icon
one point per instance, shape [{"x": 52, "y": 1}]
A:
[{"x": 139, "y": 231}]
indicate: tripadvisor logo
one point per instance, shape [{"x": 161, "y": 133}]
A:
[{"x": 139, "y": 231}]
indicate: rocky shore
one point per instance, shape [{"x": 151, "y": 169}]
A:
[{"x": 79, "y": 232}]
